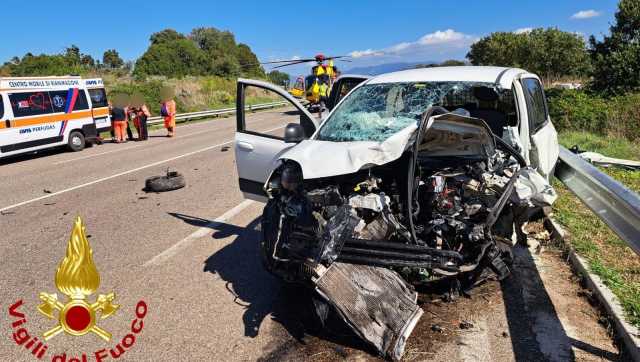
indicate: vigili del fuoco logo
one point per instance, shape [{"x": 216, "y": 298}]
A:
[{"x": 77, "y": 278}]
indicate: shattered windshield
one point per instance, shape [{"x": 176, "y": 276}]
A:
[{"x": 374, "y": 112}]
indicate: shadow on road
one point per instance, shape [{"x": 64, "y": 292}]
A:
[
  {"x": 239, "y": 265},
  {"x": 33, "y": 155},
  {"x": 536, "y": 331}
]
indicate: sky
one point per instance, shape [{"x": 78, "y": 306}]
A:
[{"x": 372, "y": 32}]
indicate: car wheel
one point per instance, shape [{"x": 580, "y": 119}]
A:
[
  {"x": 171, "y": 181},
  {"x": 76, "y": 141}
]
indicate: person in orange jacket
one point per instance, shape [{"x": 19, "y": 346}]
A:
[
  {"x": 168, "y": 111},
  {"x": 119, "y": 111}
]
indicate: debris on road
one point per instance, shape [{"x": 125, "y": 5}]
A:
[
  {"x": 604, "y": 161},
  {"x": 171, "y": 181},
  {"x": 224, "y": 149},
  {"x": 47, "y": 191},
  {"x": 466, "y": 325},
  {"x": 375, "y": 302}
]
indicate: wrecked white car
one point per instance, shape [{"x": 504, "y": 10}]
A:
[{"x": 414, "y": 177}]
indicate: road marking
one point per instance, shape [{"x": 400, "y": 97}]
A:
[
  {"x": 43, "y": 197},
  {"x": 129, "y": 148},
  {"x": 200, "y": 233}
]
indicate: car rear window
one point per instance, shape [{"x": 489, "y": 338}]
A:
[
  {"x": 98, "y": 98},
  {"x": 30, "y": 103},
  {"x": 59, "y": 100}
]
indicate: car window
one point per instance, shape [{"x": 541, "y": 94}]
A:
[
  {"x": 98, "y": 98},
  {"x": 536, "y": 105},
  {"x": 1, "y": 107},
  {"x": 274, "y": 113},
  {"x": 30, "y": 103},
  {"x": 60, "y": 100}
]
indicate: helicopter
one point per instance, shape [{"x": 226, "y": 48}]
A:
[{"x": 310, "y": 87}]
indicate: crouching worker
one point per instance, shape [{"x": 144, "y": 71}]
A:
[{"x": 168, "y": 111}]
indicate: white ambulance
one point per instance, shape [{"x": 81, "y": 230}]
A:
[{"x": 43, "y": 112}]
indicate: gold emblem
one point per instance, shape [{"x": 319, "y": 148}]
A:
[{"x": 77, "y": 278}]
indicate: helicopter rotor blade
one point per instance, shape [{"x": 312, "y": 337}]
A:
[
  {"x": 288, "y": 61},
  {"x": 294, "y": 63}
]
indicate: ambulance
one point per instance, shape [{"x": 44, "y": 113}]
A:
[{"x": 43, "y": 112}]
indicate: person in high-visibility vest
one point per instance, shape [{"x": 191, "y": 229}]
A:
[
  {"x": 315, "y": 90},
  {"x": 324, "y": 94}
]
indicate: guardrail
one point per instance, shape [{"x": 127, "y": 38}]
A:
[
  {"x": 615, "y": 204},
  {"x": 215, "y": 112}
]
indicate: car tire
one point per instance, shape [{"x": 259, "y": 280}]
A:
[
  {"x": 171, "y": 181},
  {"x": 76, "y": 141}
]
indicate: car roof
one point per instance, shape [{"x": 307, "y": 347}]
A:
[{"x": 502, "y": 76}]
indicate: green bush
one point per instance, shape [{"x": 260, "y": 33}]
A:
[{"x": 578, "y": 110}]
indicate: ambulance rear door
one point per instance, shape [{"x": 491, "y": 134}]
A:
[{"x": 99, "y": 105}]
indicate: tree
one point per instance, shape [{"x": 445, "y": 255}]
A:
[
  {"x": 165, "y": 36},
  {"x": 277, "y": 77},
  {"x": 550, "y": 53},
  {"x": 446, "y": 63},
  {"x": 111, "y": 59},
  {"x": 72, "y": 54},
  {"x": 205, "y": 51},
  {"x": 87, "y": 61},
  {"x": 616, "y": 59},
  {"x": 71, "y": 61},
  {"x": 249, "y": 63},
  {"x": 176, "y": 58}
]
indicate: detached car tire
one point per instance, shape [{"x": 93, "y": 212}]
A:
[
  {"x": 76, "y": 141},
  {"x": 171, "y": 181}
]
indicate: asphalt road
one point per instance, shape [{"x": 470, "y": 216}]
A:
[{"x": 192, "y": 256}]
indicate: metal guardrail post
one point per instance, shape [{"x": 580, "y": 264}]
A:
[{"x": 615, "y": 204}]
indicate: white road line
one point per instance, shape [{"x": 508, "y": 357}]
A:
[
  {"x": 200, "y": 233},
  {"x": 43, "y": 197},
  {"x": 129, "y": 148}
]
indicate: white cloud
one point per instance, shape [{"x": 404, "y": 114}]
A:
[
  {"x": 295, "y": 57},
  {"x": 585, "y": 14},
  {"x": 366, "y": 53},
  {"x": 441, "y": 37},
  {"x": 523, "y": 30},
  {"x": 439, "y": 41}
]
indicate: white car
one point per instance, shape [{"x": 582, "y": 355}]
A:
[{"x": 416, "y": 176}]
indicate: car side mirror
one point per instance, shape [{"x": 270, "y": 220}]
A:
[{"x": 293, "y": 133}]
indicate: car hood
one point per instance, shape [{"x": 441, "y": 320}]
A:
[{"x": 446, "y": 135}]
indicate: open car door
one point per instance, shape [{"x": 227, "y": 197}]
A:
[
  {"x": 341, "y": 87},
  {"x": 544, "y": 150},
  {"x": 263, "y": 112}
]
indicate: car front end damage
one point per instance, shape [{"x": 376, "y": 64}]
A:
[{"x": 442, "y": 205}]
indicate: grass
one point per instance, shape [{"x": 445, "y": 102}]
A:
[{"x": 609, "y": 257}]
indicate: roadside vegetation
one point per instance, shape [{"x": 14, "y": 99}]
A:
[
  {"x": 201, "y": 67},
  {"x": 604, "y": 117},
  {"x": 608, "y": 256}
]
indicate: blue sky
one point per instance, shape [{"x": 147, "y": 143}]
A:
[{"x": 376, "y": 31}]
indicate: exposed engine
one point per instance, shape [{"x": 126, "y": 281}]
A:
[{"x": 365, "y": 218}]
